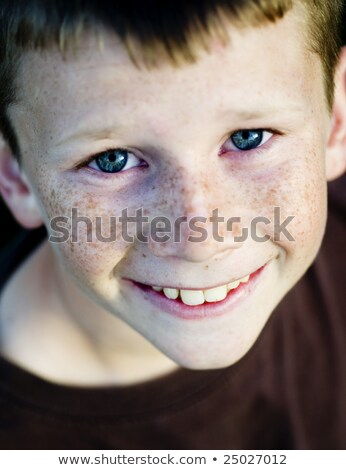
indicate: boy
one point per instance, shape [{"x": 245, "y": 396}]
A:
[{"x": 177, "y": 110}]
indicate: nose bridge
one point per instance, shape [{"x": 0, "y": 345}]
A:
[{"x": 192, "y": 192}]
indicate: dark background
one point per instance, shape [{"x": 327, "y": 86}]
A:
[{"x": 9, "y": 226}]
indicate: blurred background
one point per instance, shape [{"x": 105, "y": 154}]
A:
[{"x": 337, "y": 191}]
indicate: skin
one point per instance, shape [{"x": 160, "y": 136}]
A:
[{"x": 178, "y": 121}]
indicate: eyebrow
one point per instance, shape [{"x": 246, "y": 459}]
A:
[
  {"x": 265, "y": 112},
  {"x": 96, "y": 134}
]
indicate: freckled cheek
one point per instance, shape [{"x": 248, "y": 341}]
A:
[
  {"x": 299, "y": 190},
  {"x": 95, "y": 243},
  {"x": 312, "y": 204},
  {"x": 306, "y": 228},
  {"x": 92, "y": 263},
  {"x": 89, "y": 262}
]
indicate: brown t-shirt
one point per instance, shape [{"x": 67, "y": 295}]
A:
[{"x": 288, "y": 392}]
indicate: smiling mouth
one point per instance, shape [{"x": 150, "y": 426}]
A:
[
  {"x": 195, "y": 297},
  {"x": 199, "y": 297}
]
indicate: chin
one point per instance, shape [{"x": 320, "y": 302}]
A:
[{"x": 202, "y": 360}]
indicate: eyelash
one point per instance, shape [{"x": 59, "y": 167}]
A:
[{"x": 244, "y": 153}]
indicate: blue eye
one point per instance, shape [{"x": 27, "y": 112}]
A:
[
  {"x": 247, "y": 139},
  {"x": 114, "y": 161}
]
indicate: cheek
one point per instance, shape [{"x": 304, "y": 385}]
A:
[
  {"x": 95, "y": 244},
  {"x": 299, "y": 189}
]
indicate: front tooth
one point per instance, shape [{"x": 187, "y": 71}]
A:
[
  {"x": 233, "y": 285},
  {"x": 192, "y": 297},
  {"x": 216, "y": 294},
  {"x": 245, "y": 279},
  {"x": 157, "y": 289},
  {"x": 171, "y": 293}
]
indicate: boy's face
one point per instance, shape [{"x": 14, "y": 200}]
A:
[{"x": 179, "y": 122}]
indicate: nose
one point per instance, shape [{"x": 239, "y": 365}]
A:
[{"x": 200, "y": 225}]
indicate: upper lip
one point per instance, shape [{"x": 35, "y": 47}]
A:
[{"x": 184, "y": 287}]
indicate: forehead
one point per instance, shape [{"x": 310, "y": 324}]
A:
[{"x": 261, "y": 70}]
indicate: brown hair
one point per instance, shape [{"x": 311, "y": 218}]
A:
[{"x": 147, "y": 28}]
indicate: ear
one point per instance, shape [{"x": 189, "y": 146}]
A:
[
  {"x": 336, "y": 149},
  {"x": 15, "y": 190}
]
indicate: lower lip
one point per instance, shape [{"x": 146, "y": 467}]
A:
[{"x": 208, "y": 309}]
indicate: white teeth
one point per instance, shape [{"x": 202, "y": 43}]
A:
[
  {"x": 233, "y": 285},
  {"x": 171, "y": 293},
  {"x": 198, "y": 297},
  {"x": 216, "y": 294},
  {"x": 192, "y": 297}
]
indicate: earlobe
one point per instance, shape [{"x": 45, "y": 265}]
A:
[
  {"x": 16, "y": 191},
  {"x": 336, "y": 149}
]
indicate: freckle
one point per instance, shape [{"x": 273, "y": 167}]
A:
[
  {"x": 206, "y": 266},
  {"x": 153, "y": 187}
]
